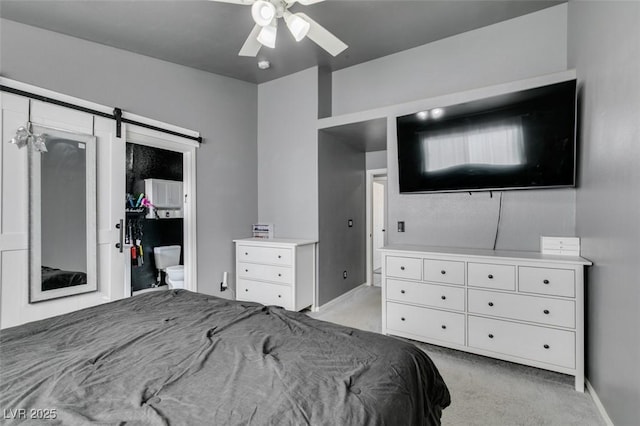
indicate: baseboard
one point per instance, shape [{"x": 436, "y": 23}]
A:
[
  {"x": 339, "y": 298},
  {"x": 598, "y": 403}
]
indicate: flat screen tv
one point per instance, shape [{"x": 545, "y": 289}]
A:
[{"x": 519, "y": 140}]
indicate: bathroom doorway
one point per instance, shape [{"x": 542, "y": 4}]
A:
[
  {"x": 160, "y": 212},
  {"x": 146, "y": 229}
]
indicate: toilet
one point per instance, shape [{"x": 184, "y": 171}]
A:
[{"x": 167, "y": 259}]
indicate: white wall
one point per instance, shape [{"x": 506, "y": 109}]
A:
[
  {"x": 519, "y": 48},
  {"x": 223, "y": 110},
  {"x": 604, "y": 47},
  {"x": 288, "y": 155}
]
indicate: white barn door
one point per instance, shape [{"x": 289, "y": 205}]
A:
[
  {"x": 111, "y": 177},
  {"x": 15, "y": 308}
]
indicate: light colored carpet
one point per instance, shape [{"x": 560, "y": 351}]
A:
[{"x": 484, "y": 391}]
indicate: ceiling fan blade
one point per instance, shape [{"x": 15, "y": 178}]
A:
[
  {"x": 303, "y": 2},
  {"x": 323, "y": 38},
  {"x": 251, "y": 46},
  {"x": 235, "y": 1}
]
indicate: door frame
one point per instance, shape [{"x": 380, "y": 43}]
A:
[
  {"x": 371, "y": 175},
  {"x": 152, "y": 138}
]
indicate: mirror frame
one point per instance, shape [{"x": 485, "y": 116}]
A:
[{"x": 36, "y": 294}]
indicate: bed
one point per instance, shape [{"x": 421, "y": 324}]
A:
[
  {"x": 53, "y": 278},
  {"x": 177, "y": 357}
]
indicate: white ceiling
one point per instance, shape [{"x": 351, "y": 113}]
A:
[{"x": 207, "y": 35}]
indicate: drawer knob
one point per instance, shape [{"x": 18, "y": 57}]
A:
[
  {"x": 490, "y": 303},
  {"x": 279, "y": 275},
  {"x": 546, "y": 312},
  {"x": 246, "y": 289},
  {"x": 490, "y": 336},
  {"x": 490, "y": 276},
  {"x": 546, "y": 346},
  {"x": 402, "y": 291},
  {"x": 279, "y": 295},
  {"x": 443, "y": 297},
  {"x": 279, "y": 257},
  {"x": 402, "y": 268},
  {"x": 545, "y": 282},
  {"x": 401, "y": 318},
  {"x": 443, "y": 272},
  {"x": 246, "y": 270},
  {"x": 444, "y": 327},
  {"x": 246, "y": 254}
]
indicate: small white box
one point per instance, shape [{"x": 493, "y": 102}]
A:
[{"x": 567, "y": 246}]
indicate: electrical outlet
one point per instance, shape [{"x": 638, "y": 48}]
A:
[
  {"x": 400, "y": 226},
  {"x": 344, "y": 275},
  {"x": 350, "y": 223}
]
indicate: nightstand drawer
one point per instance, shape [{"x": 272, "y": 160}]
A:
[
  {"x": 444, "y": 271},
  {"x": 280, "y": 274},
  {"x": 437, "y": 296},
  {"x": 488, "y": 275},
  {"x": 404, "y": 267},
  {"x": 264, "y": 293},
  {"x": 529, "y": 342},
  {"x": 268, "y": 255},
  {"x": 521, "y": 307},
  {"x": 556, "y": 282},
  {"x": 425, "y": 322}
]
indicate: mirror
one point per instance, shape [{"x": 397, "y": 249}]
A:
[{"x": 62, "y": 225}]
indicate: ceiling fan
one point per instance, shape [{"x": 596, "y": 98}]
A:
[{"x": 266, "y": 13}]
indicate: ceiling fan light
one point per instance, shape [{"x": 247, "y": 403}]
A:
[
  {"x": 263, "y": 12},
  {"x": 267, "y": 36},
  {"x": 298, "y": 26}
]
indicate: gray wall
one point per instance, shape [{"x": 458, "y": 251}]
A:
[
  {"x": 376, "y": 160},
  {"x": 604, "y": 47},
  {"x": 222, "y": 109},
  {"x": 500, "y": 53},
  {"x": 341, "y": 182},
  {"x": 527, "y": 46},
  {"x": 288, "y": 155}
]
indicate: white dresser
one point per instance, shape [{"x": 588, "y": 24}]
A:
[
  {"x": 523, "y": 307},
  {"x": 276, "y": 271}
]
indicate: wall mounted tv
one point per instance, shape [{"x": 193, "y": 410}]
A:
[{"x": 519, "y": 140}]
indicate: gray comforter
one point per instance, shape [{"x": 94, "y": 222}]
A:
[{"x": 176, "y": 357}]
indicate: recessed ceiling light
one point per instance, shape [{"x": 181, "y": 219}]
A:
[
  {"x": 264, "y": 65},
  {"x": 422, "y": 115},
  {"x": 437, "y": 112}
]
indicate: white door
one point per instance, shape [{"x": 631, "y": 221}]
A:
[
  {"x": 15, "y": 306},
  {"x": 110, "y": 218},
  {"x": 378, "y": 209}
]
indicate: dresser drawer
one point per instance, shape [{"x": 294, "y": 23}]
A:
[
  {"x": 556, "y": 282},
  {"x": 444, "y": 271},
  {"x": 487, "y": 275},
  {"x": 530, "y": 342},
  {"x": 264, "y": 293},
  {"x": 404, "y": 267},
  {"x": 521, "y": 307},
  {"x": 426, "y": 323},
  {"x": 438, "y": 296},
  {"x": 279, "y": 274},
  {"x": 269, "y": 255}
]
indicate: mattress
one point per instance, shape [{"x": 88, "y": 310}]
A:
[{"x": 177, "y": 357}]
